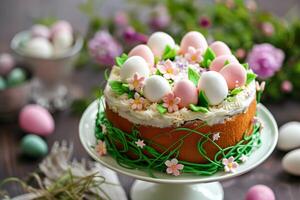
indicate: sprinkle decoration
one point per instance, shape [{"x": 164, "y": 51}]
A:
[{"x": 155, "y": 161}]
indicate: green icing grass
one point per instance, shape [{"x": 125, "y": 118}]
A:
[{"x": 154, "y": 160}]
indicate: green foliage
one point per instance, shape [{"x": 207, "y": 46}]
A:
[
  {"x": 193, "y": 76},
  {"x": 118, "y": 87},
  {"x": 208, "y": 56},
  {"x": 169, "y": 53},
  {"x": 162, "y": 110},
  {"x": 121, "y": 59},
  {"x": 203, "y": 101},
  {"x": 198, "y": 108},
  {"x": 250, "y": 77}
]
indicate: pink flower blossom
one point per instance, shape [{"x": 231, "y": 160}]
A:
[
  {"x": 204, "y": 22},
  {"x": 121, "y": 18},
  {"x": 240, "y": 53},
  {"x": 132, "y": 37},
  {"x": 265, "y": 60},
  {"x": 286, "y": 86},
  {"x": 138, "y": 102},
  {"x": 101, "y": 148},
  {"x": 136, "y": 82},
  {"x": 168, "y": 69},
  {"x": 216, "y": 136},
  {"x": 104, "y": 48},
  {"x": 173, "y": 167},
  {"x": 229, "y": 164},
  {"x": 160, "y": 18},
  {"x": 194, "y": 55},
  {"x": 267, "y": 29},
  {"x": 140, "y": 143},
  {"x": 171, "y": 102}
]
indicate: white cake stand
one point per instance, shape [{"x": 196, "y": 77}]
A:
[{"x": 185, "y": 186}]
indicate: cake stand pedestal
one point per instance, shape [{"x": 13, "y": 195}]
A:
[{"x": 185, "y": 186}]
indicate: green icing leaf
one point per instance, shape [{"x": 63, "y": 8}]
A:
[
  {"x": 226, "y": 62},
  {"x": 203, "y": 101},
  {"x": 106, "y": 74},
  {"x": 246, "y": 66},
  {"x": 193, "y": 76},
  {"x": 121, "y": 59},
  {"x": 118, "y": 87},
  {"x": 198, "y": 108},
  {"x": 250, "y": 77},
  {"x": 235, "y": 91},
  {"x": 208, "y": 57},
  {"x": 169, "y": 53},
  {"x": 161, "y": 109}
]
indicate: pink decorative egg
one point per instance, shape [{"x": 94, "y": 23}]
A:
[
  {"x": 187, "y": 92},
  {"x": 59, "y": 26},
  {"x": 219, "y": 62},
  {"x": 220, "y": 48},
  {"x": 193, "y": 39},
  {"x": 145, "y": 52},
  {"x": 7, "y": 62},
  {"x": 36, "y": 119},
  {"x": 234, "y": 74},
  {"x": 260, "y": 192}
]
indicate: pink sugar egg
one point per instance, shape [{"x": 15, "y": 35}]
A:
[
  {"x": 260, "y": 192},
  {"x": 234, "y": 74},
  {"x": 36, "y": 119},
  {"x": 186, "y": 91},
  {"x": 219, "y": 62},
  {"x": 193, "y": 39},
  {"x": 220, "y": 48},
  {"x": 145, "y": 52},
  {"x": 7, "y": 62}
]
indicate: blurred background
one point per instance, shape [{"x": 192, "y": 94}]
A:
[{"x": 70, "y": 79}]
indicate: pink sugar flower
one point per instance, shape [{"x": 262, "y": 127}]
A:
[
  {"x": 136, "y": 82},
  {"x": 229, "y": 164},
  {"x": 216, "y": 136},
  {"x": 194, "y": 55},
  {"x": 137, "y": 103},
  {"x": 173, "y": 167},
  {"x": 171, "y": 102},
  {"x": 140, "y": 143},
  {"x": 101, "y": 148},
  {"x": 168, "y": 69}
]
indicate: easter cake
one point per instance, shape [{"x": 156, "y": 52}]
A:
[{"x": 179, "y": 108}]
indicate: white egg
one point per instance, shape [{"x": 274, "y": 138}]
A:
[
  {"x": 291, "y": 162},
  {"x": 214, "y": 86},
  {"x": 132, "y": 65},
  {"x": 156, "y": 87},
  {"x": 289, "y": 136},
  {"x": 39, "y": 47},
  {"x": 62, "y": 39},
  {"x": 158, "y": 42}
]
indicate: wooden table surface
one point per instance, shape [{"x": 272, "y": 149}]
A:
[{"x": 286, "y": 187}]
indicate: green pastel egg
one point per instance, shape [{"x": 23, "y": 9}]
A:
[
  {"x": 16, "y": 77},
  {"x": 34, "y": 146},
  {"x": 2, "y": 83}
]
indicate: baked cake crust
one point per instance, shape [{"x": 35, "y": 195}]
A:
[{"x": 231, "y": 132}]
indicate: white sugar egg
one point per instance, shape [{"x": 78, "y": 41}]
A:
[
  {"x": 132, "y": 65},
  {"x": 291, "y": 162},
  {"x": 158, "y": 42},
  {"x": 156, "y": 87},
  {"x": 214, "y": 87},
  {"x": 39, "y": 47},
  {"x": 62, "y": 39},
  {"x": 289, "y": 136}
]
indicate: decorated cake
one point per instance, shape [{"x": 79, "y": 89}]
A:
[{"x": 187, "y": 107}]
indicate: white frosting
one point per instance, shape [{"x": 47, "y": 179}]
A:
[{"x": 151, "y": 117}]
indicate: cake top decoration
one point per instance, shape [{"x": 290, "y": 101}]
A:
[{"x": 194, "y": 76}]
